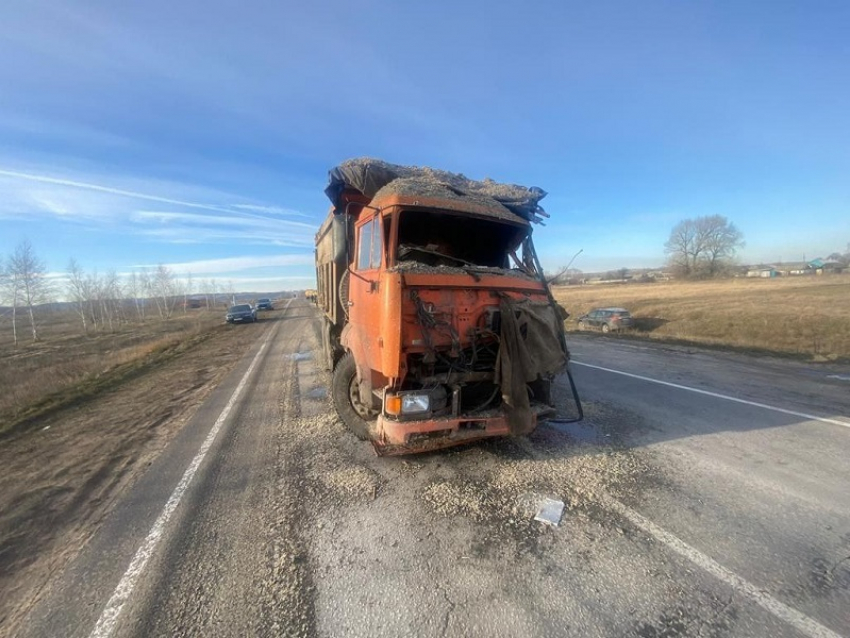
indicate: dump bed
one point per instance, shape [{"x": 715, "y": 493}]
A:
[{"x": 331, "y": 266}]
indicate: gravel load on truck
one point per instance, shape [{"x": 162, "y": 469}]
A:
[
  {"x": 419, "y": 187},
  {"x": 368, "y": 176}
]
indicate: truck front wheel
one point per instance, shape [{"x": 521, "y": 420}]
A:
[{"x": 346, "y": 397}]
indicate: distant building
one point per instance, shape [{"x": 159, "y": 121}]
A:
[
  {"x": 794, "y": 269},
  {"x": 762, "y": 271},
  {"x": 833, "y": 267}
]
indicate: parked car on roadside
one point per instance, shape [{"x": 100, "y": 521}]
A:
[
  {"x": 264, "y": 304},
  {"x": 241, "y": 313},
  {"x": 606, "y": 319}
]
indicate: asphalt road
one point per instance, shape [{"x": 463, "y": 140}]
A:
[{"x": 704, "y": 497}]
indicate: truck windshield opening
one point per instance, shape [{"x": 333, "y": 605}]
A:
[{"x": 432, "y": 238}]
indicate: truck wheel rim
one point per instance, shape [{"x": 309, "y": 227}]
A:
[{"x": 354, "y": 397}]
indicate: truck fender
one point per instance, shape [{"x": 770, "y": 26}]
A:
[{"x": 349, "y": 341}]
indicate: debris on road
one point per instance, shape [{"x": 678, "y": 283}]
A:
[
  {"x": 550, "y": 512},
  {"x": 300, "y": 356}
]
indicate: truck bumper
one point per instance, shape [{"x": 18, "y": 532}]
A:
[{"x": 409, "y": 437}]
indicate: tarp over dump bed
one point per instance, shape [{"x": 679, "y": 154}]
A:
[{"x": 368, "y": 176}]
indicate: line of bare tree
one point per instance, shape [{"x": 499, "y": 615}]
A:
[{"x": 102, "y": 302}]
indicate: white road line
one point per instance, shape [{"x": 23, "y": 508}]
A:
[
  {"x": 109, "y": 616},
  {"x": 800, "y": 621},
  {"x": 810, "y": 417}
]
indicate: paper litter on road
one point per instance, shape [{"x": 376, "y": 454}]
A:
[{"x": 550, "y": 512}]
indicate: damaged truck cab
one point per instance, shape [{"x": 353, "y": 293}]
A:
[{"x": 438, "y": 324}]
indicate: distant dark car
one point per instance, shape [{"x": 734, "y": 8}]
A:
[
  {"x": 606, "y": 319},
  {"x": 264, "y": 304},
  {"x": 241, "y": 313}
]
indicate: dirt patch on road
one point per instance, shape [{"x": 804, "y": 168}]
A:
[{"x": 62, "y": 477}]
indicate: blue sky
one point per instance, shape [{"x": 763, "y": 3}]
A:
[{"x": 199, "y": 135}]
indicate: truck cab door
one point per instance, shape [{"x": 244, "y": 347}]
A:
[{"x": 364, "y": 299}]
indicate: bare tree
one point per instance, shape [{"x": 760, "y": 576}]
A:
[
  {"x": 187, "y": 291},
  {"x": 9, "y": 293},
  {"x": 684, "y": 248},
  {"x": 163, "y": 286},
  {"x": 78, "y": 290},
  {"x": 92, "y": 287},
  {"x": 704, "y": 246},
  {"x": 108, "y": 299},
  {"x": 134, "y": 287},
  {"x": 30, "y": 273},
  {"x": 203, "y": 289},
  {"x": 214, "y": 291},
  {"x": 721, "y": 240},
  {"x": 146, "y": 283}
]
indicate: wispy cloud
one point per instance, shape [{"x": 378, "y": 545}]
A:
[
  {"x": 96, "y": 203},
  {"x": 57, "y": 181},
  {"x": 167, "y": 217},
  {"x": 236, "y": 264},
  {"x": 270, "y": 210},
  {"x": 191, "y": 228}
]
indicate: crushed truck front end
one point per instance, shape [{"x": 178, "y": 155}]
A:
[
  {"x": 439, "y": 326},
  {"x": 452, "y": 328},
  {"x": 449, "y": 387}
]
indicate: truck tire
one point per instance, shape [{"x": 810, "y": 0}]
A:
[{"x": 346, "y": 398}]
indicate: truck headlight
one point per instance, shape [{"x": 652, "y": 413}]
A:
[
  {"x": 412, "y": 403},
  {"x": 415, "y": 403}
]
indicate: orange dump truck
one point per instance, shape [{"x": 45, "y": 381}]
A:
[{"x": 438, "y": 323}]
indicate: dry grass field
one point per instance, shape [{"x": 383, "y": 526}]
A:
[
  {"x": 801, "y": 316},
  {"x": 65, "y": 365}
]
